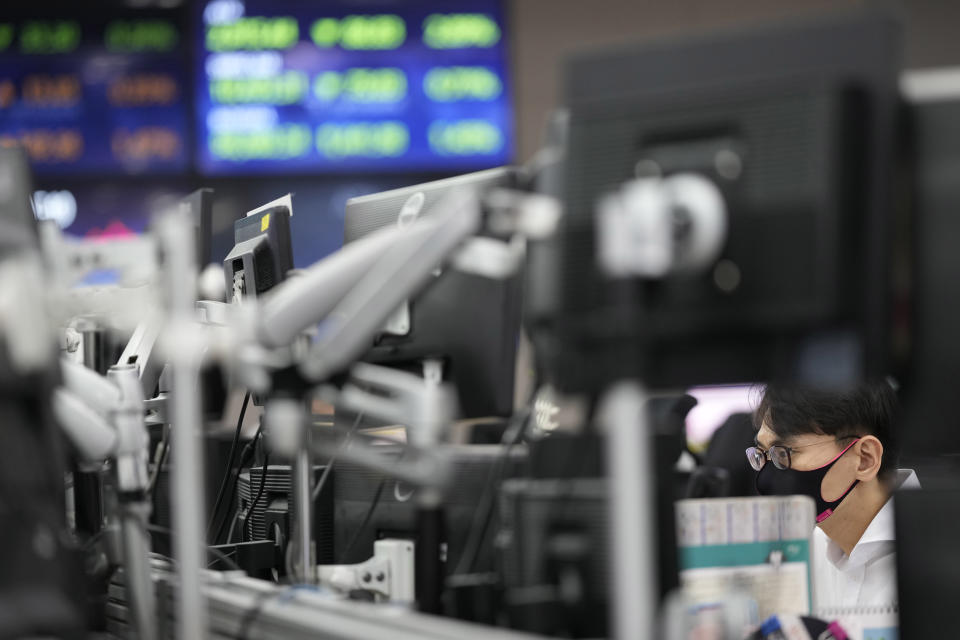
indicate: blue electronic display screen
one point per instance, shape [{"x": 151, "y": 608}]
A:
[
  {"x": 351, "y": 85},
  {"x": 97, "y": 95}
]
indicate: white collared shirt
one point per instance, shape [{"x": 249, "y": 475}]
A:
[{"x": 868, "y": 576}]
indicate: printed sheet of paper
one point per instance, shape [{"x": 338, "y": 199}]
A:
[
  {"x": 866, "y": 623},
  {"x": 757, "y": 546},
  {"x": 782, "y": 589}
]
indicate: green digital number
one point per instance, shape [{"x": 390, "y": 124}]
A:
[
  {"x": 141, "y": 35},
  {"x": 380, "y": 32},
  {"x": 253, "y": 34},
  {"x": 289, "y": 87},
  {"x": 460, "y": 30},
  {"x": 364, "y": 85},
  {"x": 387, "y": 139},
  {"x": 327, "y": 86},
  {"x": 6, "y": 36},
  {"x": 450, "y": 84},
  {"x": 280, "y": 143},
  {"x": 369, "y": 33},
  {"x": 464, "y": 137},
  {"x": 61, "y": 36},
  {"x": 386, "y": 84},
  {"x": 325, "y": 32}
]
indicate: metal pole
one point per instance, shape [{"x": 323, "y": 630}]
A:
[
  {"x": 94, "y": 349},
  {"x": 303, "y": 472},
  {"x": 132, "y": 480},
  {"x": 87, "y": 501},
  {"x": 87, "y": 485},
  {"x": 429, "y": 580},
  {"x": 288, "y": 435},
  {"x": 181, "y": 342},
  {"x": 430, "y": 574},
  {"x": 136, "y": 549},
  {"x": 632, "y": 512}
]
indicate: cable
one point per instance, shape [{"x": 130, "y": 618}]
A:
[
  {"x": 320, "y": 484},
  {"x": 230, "y": 462},
  {"x": 231, "y": 555},
  {"x": 246, "y": 453},
  {"x": 227, "y": 473},
  {"x": 333, "y": 458},
  {"x": 483, "y": 516},
  {"x": 213, "y": 550},
  {"x": 231, "y": 492},
  {"x": 95, "y": 538},
  {"x": 233, "y": 525},
  {"x": 263, "y": 484},
  {"x": 366, "y": 520},
  {"x": 155, "y": 476},
  {"x": 368, "y": 515}
]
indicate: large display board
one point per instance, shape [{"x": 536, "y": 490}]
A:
[
  {"x": 351, "y": 85},
  {"x": 95, "y": 95}
]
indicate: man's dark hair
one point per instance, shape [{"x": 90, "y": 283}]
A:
[{"x": 867, "y": 409}]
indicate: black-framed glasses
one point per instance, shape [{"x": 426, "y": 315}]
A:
[{"x": 779, "y": 454}]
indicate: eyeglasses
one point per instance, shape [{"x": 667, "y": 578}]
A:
[{"x": 779, "y": 455}]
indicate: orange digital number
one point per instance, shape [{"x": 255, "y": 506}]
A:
[
  {"x": 143, "y": 89},
  {"x": 8, "y": 93},
  {"x": 46, "y": 145},
  {"x": 51, "y": 91},
  {"x": 145, "y": 143}
]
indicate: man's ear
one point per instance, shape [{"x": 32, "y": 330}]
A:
[{"x": 870, "y": 452}]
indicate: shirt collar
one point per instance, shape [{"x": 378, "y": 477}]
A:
[
  {"x": 881, "y": 527},
  {"x": 879, "y": 531}
]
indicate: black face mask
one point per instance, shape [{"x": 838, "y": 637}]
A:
[{"x": 790, "y": 482}]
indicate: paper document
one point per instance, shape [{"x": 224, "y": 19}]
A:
[
  {"x": 756, "y": 546},
  {"x": 865, "y": 623}
]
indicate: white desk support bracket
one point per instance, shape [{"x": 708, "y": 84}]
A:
[{"x": 388, "y": 575}]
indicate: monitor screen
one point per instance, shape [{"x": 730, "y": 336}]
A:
[
  {"x": 714, "y": 405},
  {"x": 351, "y": 85},
  {"x": 109, "y": 210},
  {"x": 95, "y": 94},
  {"x": 316, "y": 230},
  {"x": 468, "y": 321},
  {"x": 105, "y": 210}
]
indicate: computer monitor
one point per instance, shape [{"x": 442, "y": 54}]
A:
[
  {"x": 15, "y": 202},
  {"x": 927, "y": 303},
  {"x": 714, "y": 406},
  {"x": 370, "y": 505},
  {"x": 273, "y": 514},
  {"x": 794, "y": 125},
  {"x": 262, "y": 255},
  {"x": 200, "y": 205},
  {"x": 926, "y": 522},
  {"x": 554, "y": 542},
  {"x": 471, "y": 323}
]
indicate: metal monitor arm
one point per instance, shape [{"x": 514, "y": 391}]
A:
[{"x": 104, "y": 418}]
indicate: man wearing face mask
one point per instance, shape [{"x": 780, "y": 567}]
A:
[{"x": 840, "y": 449}]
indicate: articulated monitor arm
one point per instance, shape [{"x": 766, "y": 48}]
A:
[
  {"x": 104, "y": 417},
  {"x": 352, "y": 293}
]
